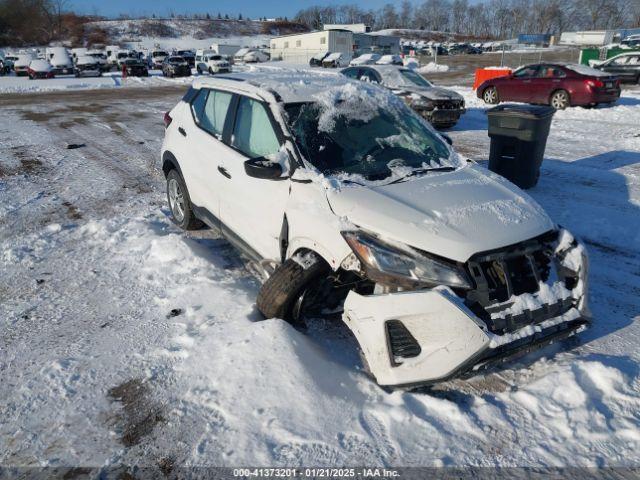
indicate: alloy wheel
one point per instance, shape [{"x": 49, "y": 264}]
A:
[
  {"x": 560, "y": 100},
  {"x": 490, "y": 95},
  {"x": 176, "y": 200}
]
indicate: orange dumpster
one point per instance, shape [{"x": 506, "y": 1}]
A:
[{"x": 483, "y": 74}]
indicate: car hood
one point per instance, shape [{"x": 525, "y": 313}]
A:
[
  {"x": 453, "y": 214},
  {"x": 432, "y": 93}
]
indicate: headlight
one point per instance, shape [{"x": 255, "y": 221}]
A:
[{"x": 403, "y": 266}]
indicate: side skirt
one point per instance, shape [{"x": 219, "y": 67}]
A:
[{"x": 216, "y": 224}]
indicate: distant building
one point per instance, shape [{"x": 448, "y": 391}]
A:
[
  {"x": 592, "y": 38},
  {"x": 300, "y": 48},
  {"x": 373, "y": 43},
  {"x": 352, "y": 27}
]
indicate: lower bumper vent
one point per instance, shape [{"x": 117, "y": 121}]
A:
[{"x": 401, "y": 343}]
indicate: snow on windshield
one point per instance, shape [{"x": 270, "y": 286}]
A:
[
  {"x": 362, "y": 133},
  {"x": 347, "y": 101}
]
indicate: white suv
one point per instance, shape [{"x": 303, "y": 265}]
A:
[
  {"x": 351, "y": 203},
  {"x": 213, "y": 63}
]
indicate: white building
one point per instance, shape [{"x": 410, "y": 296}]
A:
[
  {"x": 299, "y": 48},
  {"x": 595, "y": 38}
]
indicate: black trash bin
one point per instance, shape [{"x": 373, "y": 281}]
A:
[{"x": 518, "y": 139}]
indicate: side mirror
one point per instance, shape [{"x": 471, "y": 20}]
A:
[
  {"x": 446, "y": 138},
  {"x": 262, "y": 167}
]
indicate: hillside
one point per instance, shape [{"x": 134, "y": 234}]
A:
[{"x": 191, "y": 32}]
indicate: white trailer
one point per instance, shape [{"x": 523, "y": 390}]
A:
[
  {"x": 224, "y": 49},
  {"x": 300, "y": 48}
]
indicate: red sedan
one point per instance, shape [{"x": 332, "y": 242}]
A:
[{"x": 558, "y": 85}]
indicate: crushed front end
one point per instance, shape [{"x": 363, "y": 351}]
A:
[{"x": 517, "y": 299}]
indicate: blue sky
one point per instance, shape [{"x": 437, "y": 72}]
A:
[{"x": 251, "y": 8}]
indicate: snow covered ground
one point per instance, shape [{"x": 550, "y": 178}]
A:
[
  {"x": 126, "y": 341},
  {"x": 14, "y": 84}
]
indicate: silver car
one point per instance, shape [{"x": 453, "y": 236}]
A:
[{"x": 440, "y": 106}]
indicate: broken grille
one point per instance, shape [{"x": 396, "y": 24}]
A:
[
  {"x": 448, "y": 104},
  {"x": 508, "y": 272}
]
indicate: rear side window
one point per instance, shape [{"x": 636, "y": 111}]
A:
[
  {"x": 197, "y": 106},
  {"x": 215, "y": 111},
  {"x": 550, "y": 72},
  {"x": 620, "y": 61},
  {"x": 253, "y": 132},
  {"x": 350, "y": 72}
]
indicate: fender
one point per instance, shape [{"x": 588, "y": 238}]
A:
[
  {"x": 170, "y": 162},
  {"x": 313, "y": 226}
]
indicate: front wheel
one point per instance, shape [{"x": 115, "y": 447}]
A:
[
  {"x": 180, "y": 203},
  {"x": 560, "y": 100},
  {"x": 490, "y": 96},
  {"x": 199, "y": 71},
  {"x": 281, "y": 296}
]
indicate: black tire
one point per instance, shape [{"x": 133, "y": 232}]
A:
[
  {"x": 211, "y": 70},
  {"x": 280, "y": 292},
  {"x": 198, "y": 70},
  {"x": 188, "y": 220}
]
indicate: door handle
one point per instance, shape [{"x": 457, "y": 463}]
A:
[
  {"x": 182, "y": 131},
  {"x": 224, "y": 172}
]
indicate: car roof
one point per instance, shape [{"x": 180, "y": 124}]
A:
[{"x": 288, "y": 87}]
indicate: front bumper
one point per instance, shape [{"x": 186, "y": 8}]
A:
[
  {"x": 441, "y": 116},
  {"x": 452, "y": 341}
]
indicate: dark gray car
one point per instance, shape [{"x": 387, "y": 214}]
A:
[
  {"x": 625, "y": 66},
  {"x": 440, "y": 106}
]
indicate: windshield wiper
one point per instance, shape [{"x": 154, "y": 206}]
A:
[{"x": 419, "y": 171}]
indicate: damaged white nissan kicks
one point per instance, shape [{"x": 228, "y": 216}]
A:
[{"x": 352, "y": 205}]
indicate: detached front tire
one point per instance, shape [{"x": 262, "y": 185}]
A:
[
  {"x": 284, "y": 288},
  {"x": 180, "y": 203}
]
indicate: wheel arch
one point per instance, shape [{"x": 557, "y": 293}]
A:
[
  {"x": 302, "y": 244},
  {"x": 169, "y": 162}
]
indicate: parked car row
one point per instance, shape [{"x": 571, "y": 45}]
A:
[{"x": 436, "y": 48}]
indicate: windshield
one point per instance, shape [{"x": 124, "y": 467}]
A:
[
  {"x": 365, "y": 135},
  {"x": 414, "y": 78}
]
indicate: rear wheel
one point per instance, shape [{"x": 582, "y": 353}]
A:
[
  {"x": 199, "y": 70},
  {"x": 180, "y": 203},
  {"x": 560, "y": 100},
  {"x": 490, "y": 96}
]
